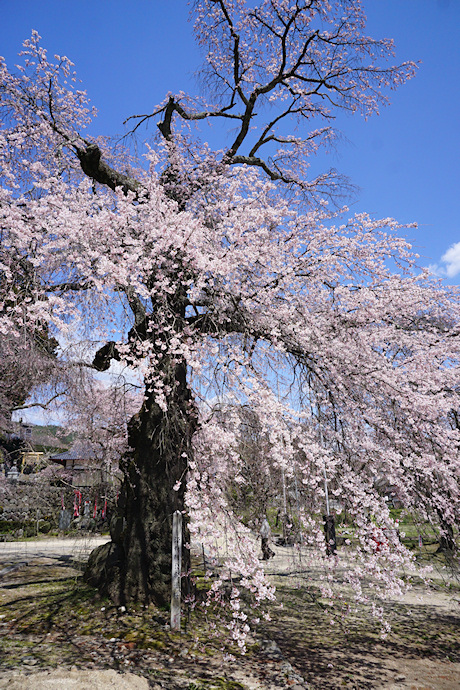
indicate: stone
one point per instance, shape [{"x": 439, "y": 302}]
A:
[
  {"x": 63, "y": 679},
  {"x": 105, "y": 558},
  {"x": 65, "y": 518},
  {"x": 270, "y": 649}
]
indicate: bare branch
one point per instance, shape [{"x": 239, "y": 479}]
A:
[{"x": 43, "y": 406}]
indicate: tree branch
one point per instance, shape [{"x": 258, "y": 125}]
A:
[
  {"x": 44, "y": 406},
  {"x": 94, "y": 167}
]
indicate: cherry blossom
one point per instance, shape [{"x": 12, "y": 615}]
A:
[{"x": 228, "y": 280}]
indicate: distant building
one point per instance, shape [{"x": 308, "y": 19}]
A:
[
  {"x": 386, "y": 488},
  {"x": 24, "y": 431},
  {"x": 85, "y": 463}
]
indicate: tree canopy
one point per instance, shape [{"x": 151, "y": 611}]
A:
[{"x": 229, "y": 277}]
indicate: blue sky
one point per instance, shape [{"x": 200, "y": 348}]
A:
[{"x": 405, "y": 161}]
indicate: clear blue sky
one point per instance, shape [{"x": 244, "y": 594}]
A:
[{"x": 405, "y": 162}]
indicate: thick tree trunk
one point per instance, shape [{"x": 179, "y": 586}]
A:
[{"x": 136, "y": 564}]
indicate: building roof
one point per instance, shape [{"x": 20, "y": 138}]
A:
[{"x": 81, "y": 450}]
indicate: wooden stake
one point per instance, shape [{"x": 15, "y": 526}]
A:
[{"x": 176, "y": 570}]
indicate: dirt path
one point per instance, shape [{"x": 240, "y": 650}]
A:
[
  {"x": 55, "y": 632},
  {"x": 21, "y": 552}
]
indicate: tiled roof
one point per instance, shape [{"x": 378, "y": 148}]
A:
[{"x": 80, "y": 450}]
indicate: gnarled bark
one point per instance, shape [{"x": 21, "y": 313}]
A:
[{"x": 136, "y": 565}]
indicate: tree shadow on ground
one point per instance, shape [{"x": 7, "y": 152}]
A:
[
  {"x": 49, "y": 618},
  {"x": 36, "y": 573},
  {"x": 329, "y": 653}
]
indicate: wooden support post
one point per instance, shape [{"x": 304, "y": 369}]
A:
[{"x": 176, "y": 570}]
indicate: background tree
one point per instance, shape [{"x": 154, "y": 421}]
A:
[
  {"x": 98, "y": 411},
  {"x": 27, "y": 363},
  {"x": 222, "y": 271},
  {"x": 28, "y": 355},
  {"x": 253, "y": 485}
]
